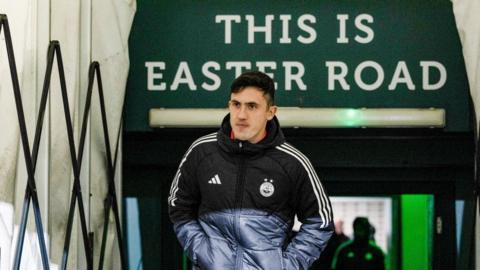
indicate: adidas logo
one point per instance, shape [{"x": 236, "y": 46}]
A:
[{"x": 215, "y": 180}]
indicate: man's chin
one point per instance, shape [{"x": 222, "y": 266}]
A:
[{"x": 240, "y": 136}]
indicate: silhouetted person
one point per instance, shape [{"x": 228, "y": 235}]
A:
[
  {"x": 326, "y": 258},
  {"x": 372, "y": 233},
  {"x": 361, "y": 253}
]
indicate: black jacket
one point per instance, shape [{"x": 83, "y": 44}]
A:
[{"x": 233, "y": 203}]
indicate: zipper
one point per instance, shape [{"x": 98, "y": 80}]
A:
[
  {"x": 239, "y": 258},
  {"x": 240, "y": 185},
  {"x": 239, "y": 189}
]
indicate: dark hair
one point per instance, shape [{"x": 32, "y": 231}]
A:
[
  {"x": 256, "y": 79},
  {"x": 361, "y": 221}
]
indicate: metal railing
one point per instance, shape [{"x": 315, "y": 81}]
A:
[{"x": 76, "y": 159}]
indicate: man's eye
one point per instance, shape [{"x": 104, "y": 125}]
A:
[{"x": 252, "y": 106}]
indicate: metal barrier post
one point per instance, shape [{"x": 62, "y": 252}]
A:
[{"x": 31, "y": 160}]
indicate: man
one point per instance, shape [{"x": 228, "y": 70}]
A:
[
  {"x": 236, "y": 192},
  {"x": 361, "y": 253}
]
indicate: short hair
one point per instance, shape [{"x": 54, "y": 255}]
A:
[
  {"x": 361, "y": 222},
  {"x": 256, "y": 79}
]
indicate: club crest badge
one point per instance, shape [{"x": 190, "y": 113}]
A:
[{"x": 266, "y": 188}]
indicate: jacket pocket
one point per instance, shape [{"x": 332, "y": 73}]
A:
[
  {"x": 215, "y": 254},
  {"x": 270, "y": 259}
]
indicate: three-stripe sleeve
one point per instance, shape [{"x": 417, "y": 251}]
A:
[
  {"x": 324, "y": 206},
  {"x": 175, "y": 183}
]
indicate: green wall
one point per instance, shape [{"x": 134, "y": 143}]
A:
[
  {"x": 180, "y": 55},
  {"x": 416, "y": 232}
]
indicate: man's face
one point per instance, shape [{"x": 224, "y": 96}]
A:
[
  {"x": 361, "y": 232},
  {"x": 249, "y": 113}
]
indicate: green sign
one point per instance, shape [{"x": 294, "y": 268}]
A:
[{"x": 333, "y": 54}]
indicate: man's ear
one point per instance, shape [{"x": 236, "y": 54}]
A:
[{"x": 272, "y": 110}]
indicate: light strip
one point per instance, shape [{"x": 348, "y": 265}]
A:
[{"x": 308, "y": 117}]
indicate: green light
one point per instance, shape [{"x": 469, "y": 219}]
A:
[
  {"x": 351, "y": 117},
  {"x": 352, "y": 113}
]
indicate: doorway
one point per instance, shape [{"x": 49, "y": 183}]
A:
[{"x": 351, "y": 163}]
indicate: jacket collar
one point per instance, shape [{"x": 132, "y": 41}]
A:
[{"x": 274, "y": 138}]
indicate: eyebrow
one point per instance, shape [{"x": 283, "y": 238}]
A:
[{"x": 247, "y": 103}]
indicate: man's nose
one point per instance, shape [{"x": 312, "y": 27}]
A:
[{"x": 242, "y": 113}]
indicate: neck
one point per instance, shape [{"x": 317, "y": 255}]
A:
[{"x": 260, "y": 137}]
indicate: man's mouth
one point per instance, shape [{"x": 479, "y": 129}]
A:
[{"x": 241, "y": 125}]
